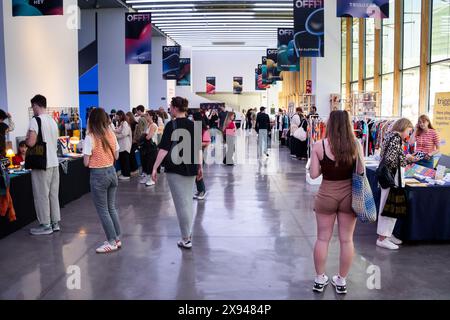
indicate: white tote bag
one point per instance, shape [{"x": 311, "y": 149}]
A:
[{"x": 300, "y": 133}]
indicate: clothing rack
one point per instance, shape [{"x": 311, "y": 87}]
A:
[{"x": 316, "y": 131}]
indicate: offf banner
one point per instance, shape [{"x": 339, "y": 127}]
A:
[
  {"x": 184, "y": 74},
  {"x": 272, "y": 66},
  {"x": 237, "y": 85},
  {"x": 138, "y": 38},
  {"x": 258, "y": 79},
  {"x": 265, "y": 71},
  {"x": 37, "y": 8},
  {"x": 309, "y": 28},
  {"x": 287, "y": 59},
  {"x": 171, "y": 62},
  {"x": 378, "y": 9},
  {"x": 210, "y": 85},
  {"x": 441, "y": 120}
]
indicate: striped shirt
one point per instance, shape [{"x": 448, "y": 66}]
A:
[{"x": 428, "y": 141}]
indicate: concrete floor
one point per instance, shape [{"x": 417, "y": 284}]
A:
[{"x": 253, "y": 239}]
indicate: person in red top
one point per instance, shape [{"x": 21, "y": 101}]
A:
[
  {"x": 230, "y": 138},
  {"x": 427, "y": 142},
  {"x": 20, "y": 157}
]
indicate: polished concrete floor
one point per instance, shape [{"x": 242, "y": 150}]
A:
[{"x": 253, "y": 239}]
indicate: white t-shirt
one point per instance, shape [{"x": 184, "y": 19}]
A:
[
  {"x": 50, "y": 136},
  {"x": 87, "y": 147},
  {"x": 147, "y": 131}
]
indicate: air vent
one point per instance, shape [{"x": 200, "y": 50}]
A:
[{"x": 228, "y": 43}]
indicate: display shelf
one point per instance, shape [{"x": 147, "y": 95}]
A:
[{"x": 366, "y": 104}]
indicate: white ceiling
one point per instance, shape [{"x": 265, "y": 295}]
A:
[{"x": 251, "y": 23}]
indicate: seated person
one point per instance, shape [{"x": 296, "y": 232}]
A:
[{"x": 20, "y": 157}]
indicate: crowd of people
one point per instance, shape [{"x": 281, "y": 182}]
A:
[{"x": 115, "y": 138}]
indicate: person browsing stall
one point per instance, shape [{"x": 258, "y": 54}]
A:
[{"x": 427, "y": 142}]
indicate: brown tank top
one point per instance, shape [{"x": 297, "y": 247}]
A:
[{"x": 331, "y": 172}]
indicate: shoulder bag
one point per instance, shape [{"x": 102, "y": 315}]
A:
[
  {"x": 36, "y": 157},
  {"x": 385, "y": 177},
  {"x": 363, "y": 203},
  {"x": 397, "y": 201},
  {"x": 300, "y": 133}
]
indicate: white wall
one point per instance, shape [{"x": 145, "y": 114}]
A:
[
  {"x": 3, "y": 93},
  {"x": 87, "y": 32},
  {"x": 41, "y": 57},
  {"x": 114, "y": 74},
  {"x": 327, "y": 71},
  {"x": 139, "y": 85},
  {"x": 157, "y": 85}
]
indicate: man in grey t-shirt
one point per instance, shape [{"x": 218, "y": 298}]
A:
[{"x": 45, "y": 183}]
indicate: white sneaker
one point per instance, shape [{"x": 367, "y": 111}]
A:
[
  {"x": 143, "y": 180},
  {"x": 123, "y": 178},
  {"x": 395, "y": 240},
  {"x": 339, "y": 284},
  {"x": 320, "y": 283},
  {"x": 387, "y": 244},
  {"x": 185, "y": 244},
  {"x": 150, "y": 183},
  {"x": 107, "y": 248}
]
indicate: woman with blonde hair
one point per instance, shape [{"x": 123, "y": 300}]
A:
[
  {"x": 334, "y": 158},
  {"x": 427, "y": 142},
  {"x": 392, "y": 155}
]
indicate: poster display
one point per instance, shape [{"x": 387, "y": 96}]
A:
[
  {"x": 237, "y": 85},
  {"x": 265, "y": 71},
  {"x": 171, "y": 62},
  {"x": 309, "y": 28},
  {"x": 272, "y": 66},
  {"x": 184, "y": 74},
  {"x": 258, "y": 77},
  {"x": 378, "y": 9},
  {"x": 210, "y": 85},
  {"x": 37, "y": 8},
  {"x": 287, "y": 59},
  {"x": 138, "y": 38},
  {"x": 441, "y": 120}
]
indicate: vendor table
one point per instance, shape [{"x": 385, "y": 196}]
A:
[
  {"x": 72, "y": 186},
  {"x": 428, "y": 217}
]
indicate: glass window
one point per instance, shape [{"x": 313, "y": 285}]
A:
[
  {"x": 355, "y": 50},
  {"x": 388, "y": 41},
  {"x": 369, "y": 85},
  {"x": 355, "y": 87},
  {"x": 343, "y": 92},
  {"x": 370, "y": 48},
  {"x": 440, "y": 33},
  {"x": 344, "y": 51},
  {"x": 387, "y": 98},
  {"x": 410, "y": 93},
  {"x": 439, "y": 81},
  {"x": 411, "y": 33}
]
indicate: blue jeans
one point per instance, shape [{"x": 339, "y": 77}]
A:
[
  {"x": 103, "y": 188},
  {"x": 262, "y": 142}
]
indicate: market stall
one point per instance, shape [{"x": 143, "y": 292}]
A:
[
  {"x": 428, "y": 217},
  {"x": 74, "y": 183}
]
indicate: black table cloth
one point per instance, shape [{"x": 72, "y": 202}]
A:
[
  {"x": 428, "y": 216},
  {"x": 72, "y": 186}
]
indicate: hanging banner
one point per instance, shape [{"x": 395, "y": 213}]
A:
[
  {"x": 261, "y": 85},
  {"x": 441, "y": 120},
  {"x": 287, "y": 58},
  {"x": 171, "y": 62},
  {"x": 309, "y": 28},
  {"x": 237, "y": 85},
  {"x": 378, "y": 9},
  {"x": 138, "y": 38},
  {"x": 37, "y": 8},
  {"x": 265, "y": 72},
  {"x": 272, "y": 66},
  {"x": 184, "y": 74},
  {"x": 210, "y": 85}
]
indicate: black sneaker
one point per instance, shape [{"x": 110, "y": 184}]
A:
[
  {"x": 185, "y": 244},
  {"x": 319, "y": 287},
  {"x": 340, "y": 289}
]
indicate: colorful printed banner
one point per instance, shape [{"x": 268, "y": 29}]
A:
[
  {"x": 378, "y": 9},
  {"x": 184, "y": 74},
  {"x": 272, "y": 66},
  {"x": 138, "y": 38},
  {"x": 441, "y": 120},
  {"x": 309, "y": 27},
  {"x": 171, "y": 62},
  {"x": 237, "y": 85},
  {"x": 261, "y": 85},
  {"x": 210, "y": 85},
  {"x": 37, "y": 8},
  {"x": 265, "y": 72},
  {"x": 287, "y": 59}
]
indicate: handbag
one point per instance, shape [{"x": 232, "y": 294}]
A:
[
  {"x": 36, "y": 157},
  {"x": 300, "y": 133},
  {"x": 363, "y": 203},
  {"x": 385, "y": 177},
  {"x": 397, "y": 201}
]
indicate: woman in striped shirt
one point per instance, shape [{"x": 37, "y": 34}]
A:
[{"x": 427, "y": 142}]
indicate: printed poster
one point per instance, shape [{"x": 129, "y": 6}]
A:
[
  {"x": 237, "y": 85},
  {"x": 287, "y": 59},
  {"x": 184, "y": 74},
  {"x": 37, "y": 8},
  {"x": 378, "y": 9},
  {"x": 171, "y": 62},
  {"x": 309, "y": 28},
  {"x": 441, "y": 120},
  {"x": 210, "y": 85},
  {"x": 138, "y": 38}
]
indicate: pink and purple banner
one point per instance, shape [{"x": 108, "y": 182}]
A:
[{"x": 138, "y": 38}]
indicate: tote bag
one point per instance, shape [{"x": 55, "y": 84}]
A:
[
  {"x": 363, "y": 203},
  {"x": 397, "y": 201},
  {"x": 36, "y": 157},
  {"x": 300, "y": 133}
]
